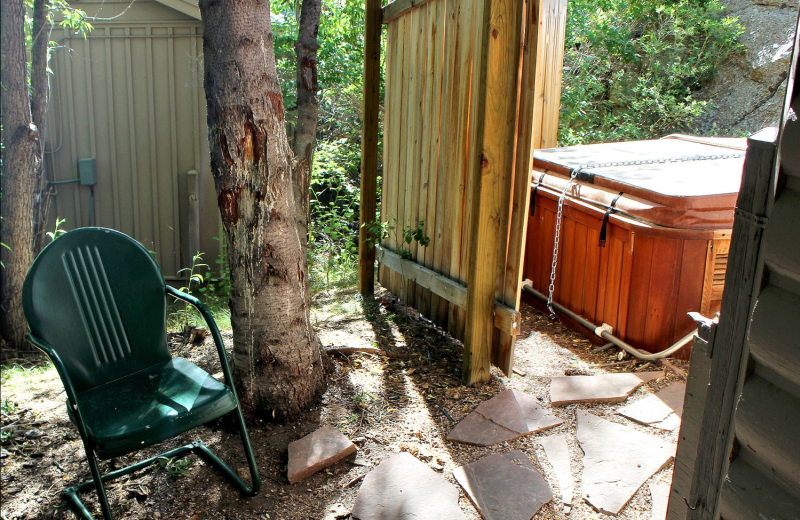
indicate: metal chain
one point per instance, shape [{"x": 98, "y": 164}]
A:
[
  {"x": 552, "y": 287},
  {"x": 574, "y": 175},
  {"x": 685, "y": 158}
]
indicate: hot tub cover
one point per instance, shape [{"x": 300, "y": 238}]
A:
[{"x": 674, "y": 182}]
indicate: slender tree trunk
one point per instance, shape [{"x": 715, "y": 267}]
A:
[
  {"x": 40, "y": 85},
  {"x": 21, "y": 159},
  {"x": 307, "y": 104},
  {"x": 278, "y": 362}
]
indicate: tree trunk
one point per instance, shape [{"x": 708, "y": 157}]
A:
[
  {"x": 307, "y": 105},
  {"x": 21, "y": 159},
  {"x": 40, "y": 86},
  {"x": 278, "y": 362}
]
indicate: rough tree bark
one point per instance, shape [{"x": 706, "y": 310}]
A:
[
  {"x": 40, "y": 87},
  {"x": 278, "y": 362},
  {"x": 307, "y": 105},
  {"x": 21, "y": 158}
]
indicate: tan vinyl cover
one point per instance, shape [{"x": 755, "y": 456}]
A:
[{"x": 695, "y": 194}]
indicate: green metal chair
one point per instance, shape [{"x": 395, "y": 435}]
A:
[{"x": 96, "y": 304}]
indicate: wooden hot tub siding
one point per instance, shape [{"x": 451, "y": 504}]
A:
[{"x": 642, "y": 283}]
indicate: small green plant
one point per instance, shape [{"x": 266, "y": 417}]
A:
[
  {"x": 222, "y": 283},
  {"x": 176, "y": 468},
  {"x": 8, "y": 407},
  {"x": 57, "y": 231},
  {"x": 3, "y": 244},
  {"x": 193, "y": 277},
  {"x": 411, "y": 234},
  {"x": 380, "y": 231},
  {"x": 363, "y": 397}
]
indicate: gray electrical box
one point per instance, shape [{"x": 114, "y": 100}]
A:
[{"x": 87, "y": 170}]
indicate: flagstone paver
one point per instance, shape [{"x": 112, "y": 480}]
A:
[
  {"x": 504, "y": 486},
  {"x": 617, "y": 461},
  {"x": 673, "y": 396},
  {"x": 403, "y": 487},
  {"x": 557, "y": 451},
  {"x": 317, "y": 451},
  {"x": 670, "y": 423},
  {"x": 659, "y": 493},
  {"x": 606, "y": 388},
  {"x": 508, "y": 415},
  {"x": 660, "y": 410},
  {"x": 649, "y": 410}
]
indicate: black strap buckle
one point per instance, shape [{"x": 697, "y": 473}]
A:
[
  {"x": 533, "y": 194},
  {"x": 611, "y": 209}
]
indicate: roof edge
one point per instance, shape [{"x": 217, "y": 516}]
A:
[{"x": 187, "y": 7}]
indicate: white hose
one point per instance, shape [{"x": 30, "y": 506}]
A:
[{"x": 633, "y": 351}]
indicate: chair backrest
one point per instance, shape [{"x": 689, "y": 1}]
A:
[{"x": 99, "y": 299}]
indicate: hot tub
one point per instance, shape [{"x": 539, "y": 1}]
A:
[{"x": 668, "y": 212}]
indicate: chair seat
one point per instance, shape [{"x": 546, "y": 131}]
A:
[{"x": 150, "y": 406}]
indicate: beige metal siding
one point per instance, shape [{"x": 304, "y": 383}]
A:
[{"x": 131, "y": 96}]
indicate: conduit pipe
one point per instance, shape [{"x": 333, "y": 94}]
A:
[{"x": 604, "y": 330}]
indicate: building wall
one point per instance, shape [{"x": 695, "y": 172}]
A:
[{"x": 131, "y": 96}]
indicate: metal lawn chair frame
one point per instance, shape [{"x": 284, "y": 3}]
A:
[{"x": 95, "y": 301}]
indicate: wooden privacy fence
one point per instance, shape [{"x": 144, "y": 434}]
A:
[{"x": 472, "y": 87}]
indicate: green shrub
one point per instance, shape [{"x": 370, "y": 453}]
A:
[
  {"x": 335, "y": 171},
  {"x": 631, "y": 67}
]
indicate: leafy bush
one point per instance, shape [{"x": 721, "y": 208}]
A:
[
  {"x": 335, "y": 172},
  {"x": 631, "y": 67}
]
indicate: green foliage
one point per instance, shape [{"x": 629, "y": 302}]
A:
[
  {"x": 221, "y": 284},
  {"x": 57, "y": 231},
  {"x": 193, "y": 277},
  {"x": 176, "y": 468},
  {"x": 383, "y": 230},
  {"x": 631, "y": 67},
  {"x": 68, "y": 17},
  {"x": 335, "y": 172}
]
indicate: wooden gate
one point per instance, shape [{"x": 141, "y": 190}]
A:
[{"x": 472, "y": 87}]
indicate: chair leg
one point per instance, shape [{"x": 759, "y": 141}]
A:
[
  {"x": 98, "y": 485},
  {"x": 71, "y": 493},
  {"x": 248, "y": 451}
]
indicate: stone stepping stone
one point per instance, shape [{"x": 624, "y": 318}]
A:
[
  {"x": 649, "y": 410},
  {"x": 673, "y": 396},
  {"x": 317, "y": 451},
  {"x": 617, "y": 461},
  {"x": 659, "y": 493},
  {"x": 403, "y": 487},
  {"x": 606, "y": 388},
  {"x": 508, "y": 415},
  {"x": 662, "y": 409},
  {"x": 557, "y": 451},
  {"x": 504, "y": 486}
]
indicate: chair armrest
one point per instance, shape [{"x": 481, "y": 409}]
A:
[
  {"x": 212, "y": 325},
  {"x": 72, "y": 395}
]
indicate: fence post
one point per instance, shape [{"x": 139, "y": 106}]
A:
[{"x": 369, "y": 144}]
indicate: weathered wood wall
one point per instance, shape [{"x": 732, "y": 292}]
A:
[
  {"x": 471, "y": 87},
  {"x": 737, "y": 454}
]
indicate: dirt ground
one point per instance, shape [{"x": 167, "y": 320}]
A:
[{"x": 405, "y": 401}]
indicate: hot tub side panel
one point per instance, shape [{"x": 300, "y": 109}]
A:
[{"x": 641, "y": 284}]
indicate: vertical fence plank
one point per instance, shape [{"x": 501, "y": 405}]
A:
[{"x": 388, "y": 138}]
